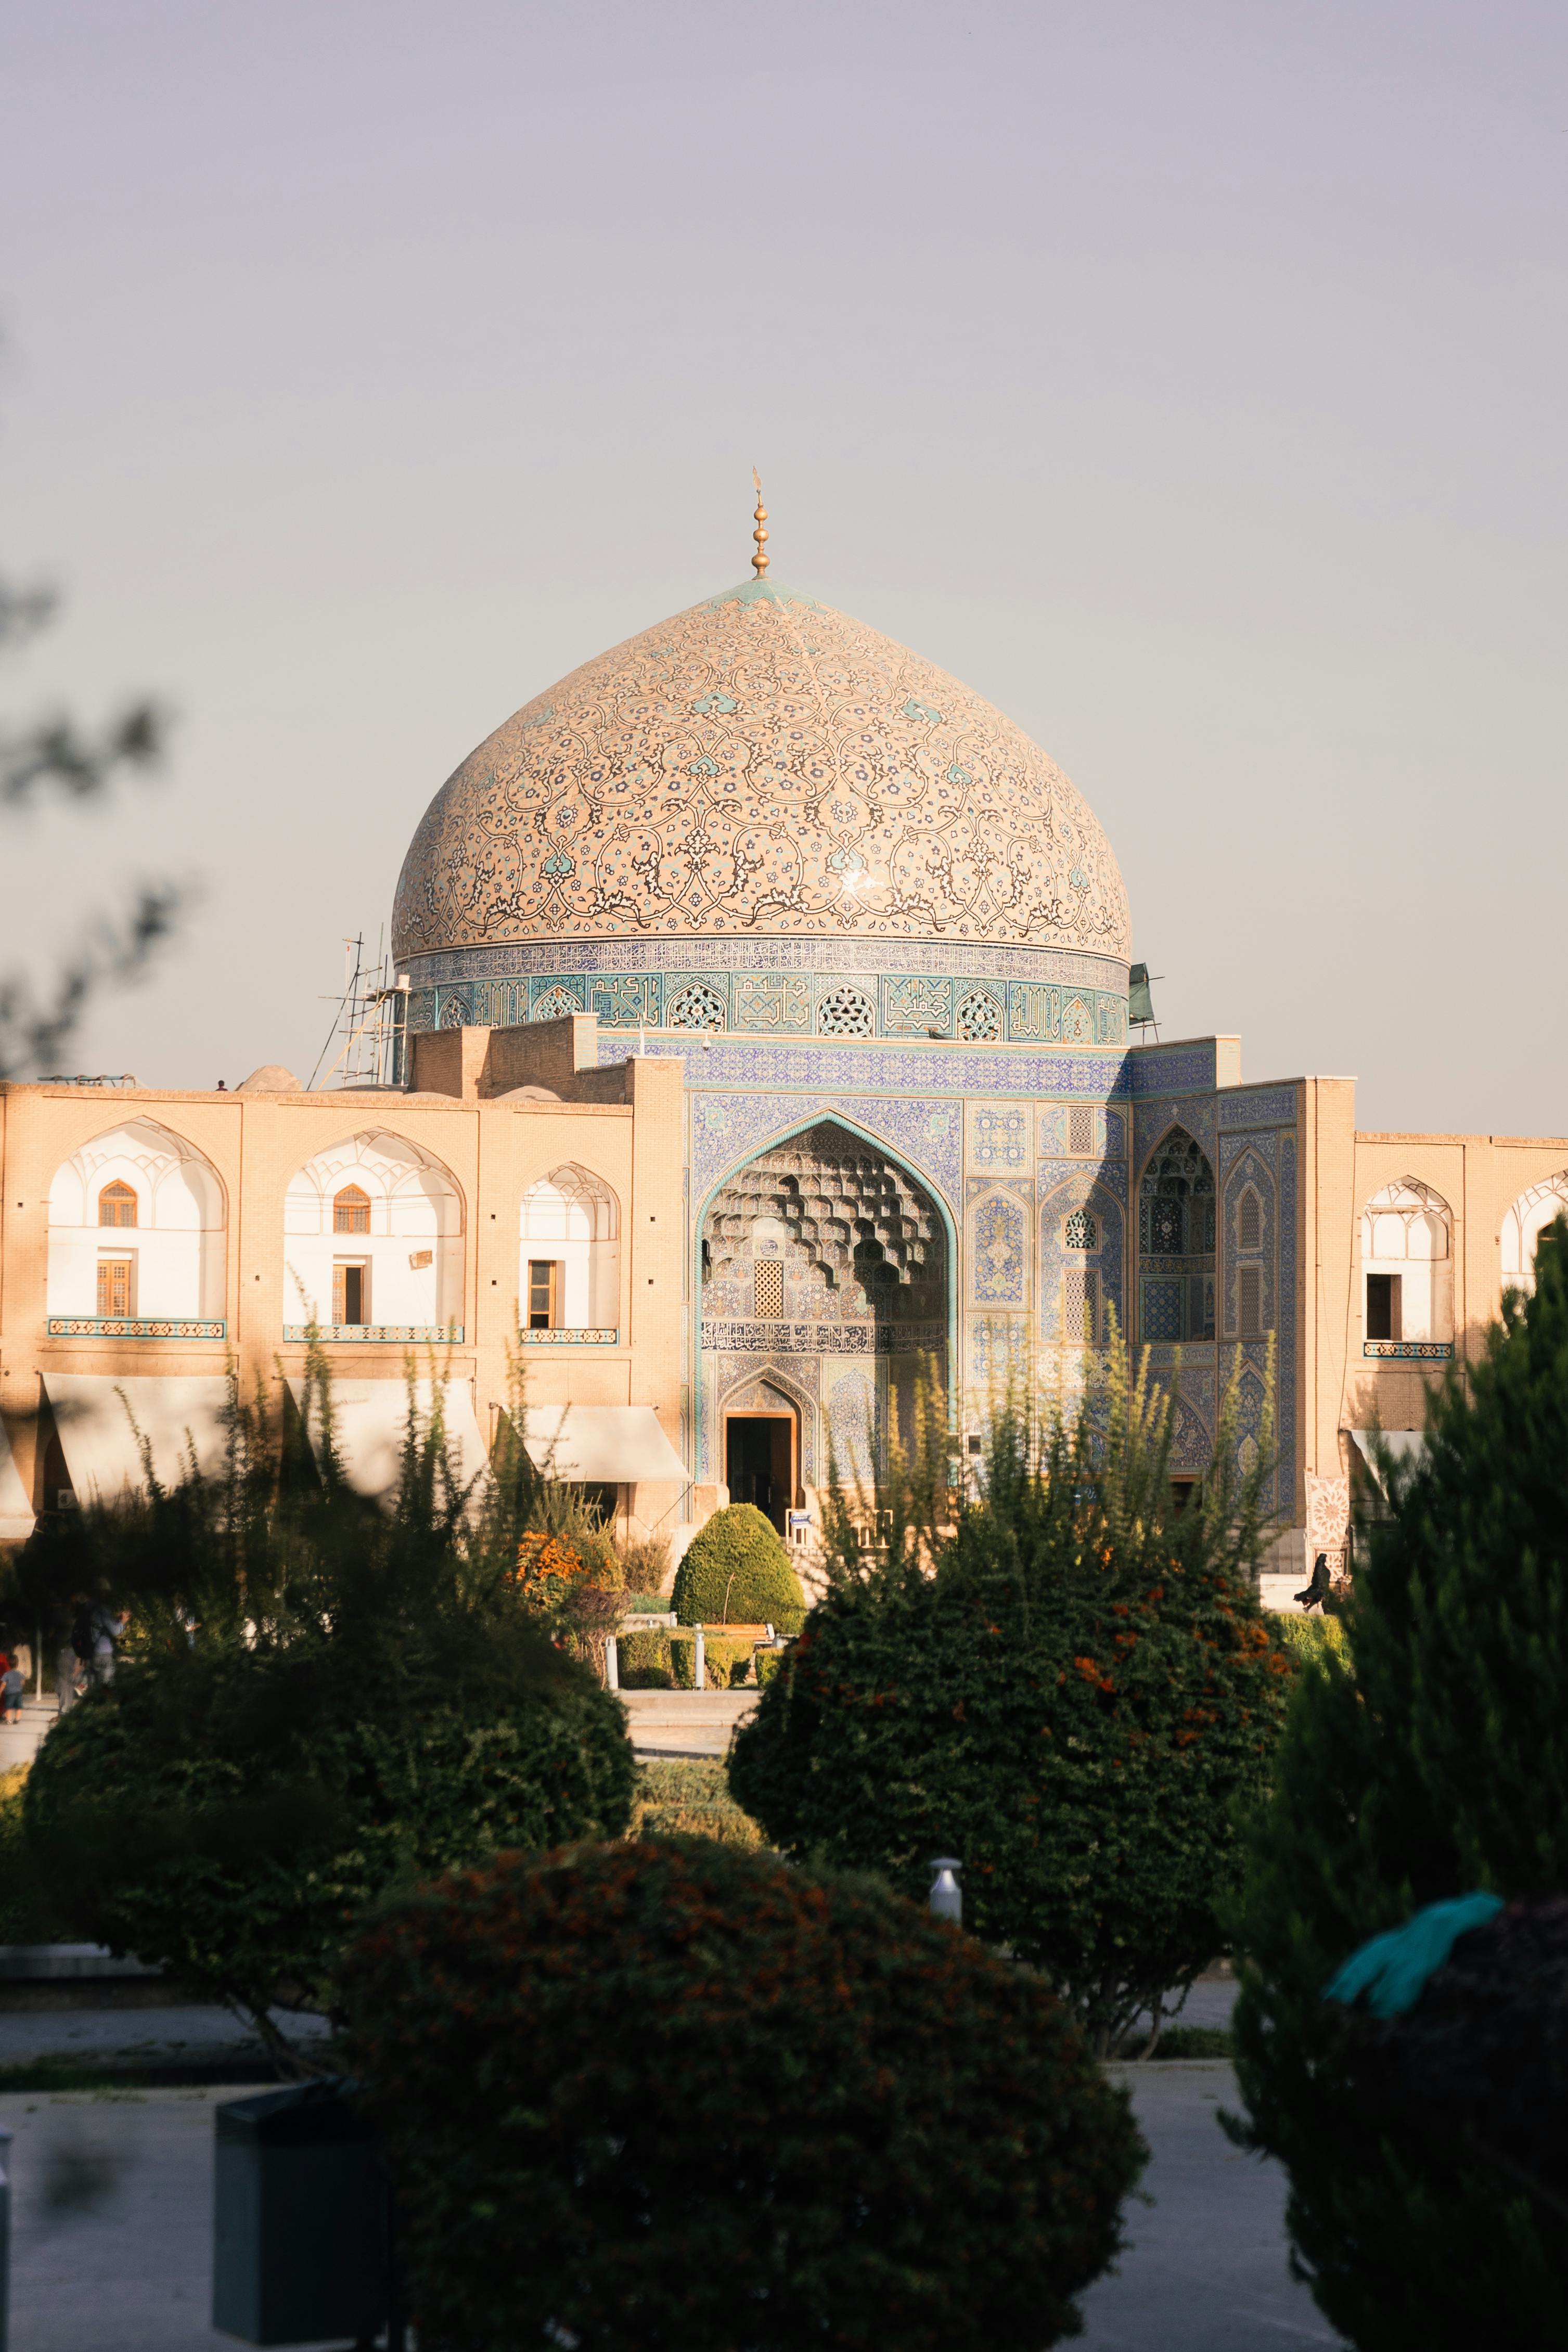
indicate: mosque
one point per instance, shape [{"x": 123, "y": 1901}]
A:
[{"x": 769, "y": 992}]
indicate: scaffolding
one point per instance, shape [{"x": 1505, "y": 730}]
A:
[{"x": 368, "y": 1039}]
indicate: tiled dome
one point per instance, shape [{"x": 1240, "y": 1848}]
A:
[{"x": 760, "y": 766}]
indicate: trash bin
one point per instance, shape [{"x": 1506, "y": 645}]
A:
[{"x": 300, "y": 2251}]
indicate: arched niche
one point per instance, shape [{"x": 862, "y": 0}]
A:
[
  {"x": 373, "y": 1232},
  {"x": 1524, "y": 1226},
  {"x": 823, "y": 1247},
  {"x": 569, "y": 1268},
  {"x": 1176, "y": 1241},
  {"x": 137, "y": 1221},
  {"x": 1407, "y": 1265}
]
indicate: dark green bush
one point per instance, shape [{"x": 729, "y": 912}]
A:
[
  {"x": 1306, "y": 1639},
  {"x": 1070, "y": 1695},
  {"x": 674, "y": 2097},
  {"x": 736, "y": 1572},
  {"x": 323, "y": 1698},
  {"x": 1429, "y": 1758}
]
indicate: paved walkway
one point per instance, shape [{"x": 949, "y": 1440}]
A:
[
  {"x": 685, "y": 1723},
  {"x": 113, "y": 2247}
]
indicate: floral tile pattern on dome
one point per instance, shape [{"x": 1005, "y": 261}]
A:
[{"x": 760, "y": 765}]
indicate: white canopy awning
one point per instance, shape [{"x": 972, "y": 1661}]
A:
[
  {"x": 1404, "y": 1444},
  {"x": 16, "y": 1511},
  {"x": 614, "y": 1445},
  {"x": 102, "y": 1421},
  {"x": 370, "y": 1421}
]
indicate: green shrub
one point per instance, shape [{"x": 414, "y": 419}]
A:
[
  {"x": 1071, "y": 1700},
  {"x": 761, "y": 2106},
  {"x": 1428, "y": 1760},
  {"x": 721, "y": 1656},
  {"x": 685, "y": 1796},
  {"x": 27, "y": 1915},
  {"x": 768, "y": 1663},
  {"x": 1306, "y": 1640},
  {"x": 324, "y": 1697},
  {"x": 736, "y": 1572},
  {"x": 643, "y": 1658}
]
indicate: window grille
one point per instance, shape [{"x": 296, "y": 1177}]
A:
[
  {"x": 1251, "y": 1287},
  {"x": 847, "y": 1012},
  {"x": 1081, "y": 1230},
  {"x": 1250, "y": 1221},
  {"x": 1080, "y": 1128},
  {"x": 979, "y": 1021},
  {"x": 554, "y": 1005},
  {"x": 117, "y": 1204},
  {"x": 696, "y": 1007},
  {"x": 115, "y": 1286},
  {"x": 1080, "y": 1302},
  {"x": 351, "y": 1213},
  {"x": 769, "y": 1290}
]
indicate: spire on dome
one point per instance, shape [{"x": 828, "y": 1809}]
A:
[{"x": 760, "y": 560}]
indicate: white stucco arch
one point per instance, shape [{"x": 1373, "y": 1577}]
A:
[
  {"x": 412, "y": 1253},
  {"x": 571, "y": 1220},
  {"x": 173, "y": 1241},
  {"x": 1407, "y": 1231},
  {"x": 1524, "y": 1225}
]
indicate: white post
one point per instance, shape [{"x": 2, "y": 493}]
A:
[
  {"x": 699, "y": 1682},
  {"x": 946, "y": 1894},
  {"x": 612, "y": 1663}
]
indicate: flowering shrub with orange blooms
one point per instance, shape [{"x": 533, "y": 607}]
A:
[
  {"x": 1074, "y": 1702},
  {"x": 547, "y": 1570},
  {"x": 672, "y": 2097}
]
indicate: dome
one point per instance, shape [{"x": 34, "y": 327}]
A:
[{"x": 759, "y": 767}]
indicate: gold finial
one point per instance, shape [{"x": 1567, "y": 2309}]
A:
[{"x": 760, "y": 560}]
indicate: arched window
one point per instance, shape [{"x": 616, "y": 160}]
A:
[
  {"x": 1176, "y": 1241},
  {"x": 373, "y": 1242},
  {"x": 569, "y": 1256},
  {"x": 1524, "y": 1226},
  {"x": 351, "y": 1211},
  {"x": 117, "y": 1204},
  {"x": 136, "y": 1232},
  {"x": 1249, "y": 1220},
  {"x": 1408, "y": 1269}
]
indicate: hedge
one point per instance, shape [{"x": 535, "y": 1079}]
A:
[
  {"x": 673, "y": 2096},
  {"x": 736, "y": 1572}
]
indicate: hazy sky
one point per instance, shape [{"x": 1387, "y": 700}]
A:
[{"x": 1190, "y": 381}]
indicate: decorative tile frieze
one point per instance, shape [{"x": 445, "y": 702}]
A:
[
  {"x": 1409, "y": 1352},
  {"x": 823, "y": 1339},
  {"x": 134, "y": 1327},
  {"x": 379, "y": 1334},
  {"x": 586, "y": 1338}
]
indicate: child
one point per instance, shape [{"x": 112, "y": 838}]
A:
[{"x": 12, "y": 1685}]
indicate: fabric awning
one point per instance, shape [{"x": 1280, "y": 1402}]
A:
[
  {"x": 614, "y": 1445},
  {"x": 370, "y": 1419},
  {"x": 102, "y": 1421},
  {"x": 1404, "y": 1444},
  {"x": 16, "y": 1511}
]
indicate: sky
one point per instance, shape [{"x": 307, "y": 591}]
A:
[{"x": 1190, "y": 382}]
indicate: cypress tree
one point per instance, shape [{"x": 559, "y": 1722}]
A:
[{"x": 1430, "y": 1758}]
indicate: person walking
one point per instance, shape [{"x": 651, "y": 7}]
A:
[{"x": 13, "y": 1683}]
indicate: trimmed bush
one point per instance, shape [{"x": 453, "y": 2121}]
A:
[
  {"x": 685, "y": 1796},
  {"x": 1428, "y": 1759},
  {"x": 1306, "y": 1640},
  {"x": 672, "y": 2097},
  {"x": 644, "y": 1659},
  {"x": 721, "y": 1656},
  {"x": 1071, "y": 1698},
  {"x": 736, "y": 1572}
]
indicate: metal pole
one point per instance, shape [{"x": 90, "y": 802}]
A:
[
  {"x": 699, "y": 1673},
  {"x": 612, "y": 1663},
  {"x": 946, "y": 1894},
  {"x": 5, "y": 2139}
]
